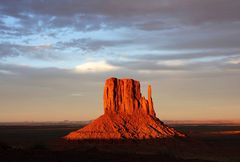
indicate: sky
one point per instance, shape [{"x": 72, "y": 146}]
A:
[{"x": 55, "y": 56}]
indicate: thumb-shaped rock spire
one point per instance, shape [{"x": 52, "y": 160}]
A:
[{"x": 150, "y": 102}]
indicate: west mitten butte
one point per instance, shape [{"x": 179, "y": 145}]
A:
[{"x": 127, "y": 115}]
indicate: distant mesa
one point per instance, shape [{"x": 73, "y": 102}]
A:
[{"x": 127, "y": 115}]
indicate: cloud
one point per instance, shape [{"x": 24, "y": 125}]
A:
[
  {"x": 211, "y": 64},
  {"x": 93, "y": 67},
  {"x": 32, "y": 51},
  {"x": 6, "y": 72},
  {"x": 157, "y": 35},
  {"x": 151, "y": 65},
  {"x": 77, "y": 94},
  {"x": 156, "y": 25},
  {"x": 187, "y": 11},
  {"x": 172, "y": 62},
  {"x": 88, "y": 44},
  {"x": 101, "y": 14},
  {"x": 234, "y": 60},
  {"x": 187, "y": 54}
]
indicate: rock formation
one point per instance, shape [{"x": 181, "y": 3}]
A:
[
  {"x": 123, "y": 96},
  {"x": 127, "y": 115}
]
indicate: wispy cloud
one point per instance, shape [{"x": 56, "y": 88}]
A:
[
  {"x": 7, "y": 72},
  {"x": 77, "y": 94},
  {"x": 97, "y": 66}
]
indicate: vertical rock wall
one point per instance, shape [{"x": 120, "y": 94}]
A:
[{"x": 124, "y": 96}]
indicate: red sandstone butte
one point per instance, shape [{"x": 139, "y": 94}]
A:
[{"x": 127, "y": 115}]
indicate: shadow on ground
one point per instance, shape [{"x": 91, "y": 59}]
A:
[
  {"x": 60, "y": 150},
  {"x": 42, "y": 144}
]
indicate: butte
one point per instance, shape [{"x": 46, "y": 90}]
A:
[{"x": 127, "y": 115}]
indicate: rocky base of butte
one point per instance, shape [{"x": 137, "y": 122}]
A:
[{"x": 127, "y": 115}]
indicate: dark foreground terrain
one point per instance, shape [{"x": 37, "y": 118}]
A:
[{"x": 43, "y": 143}]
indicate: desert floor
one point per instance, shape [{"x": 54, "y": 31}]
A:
[{"x": 205, "y": 143}]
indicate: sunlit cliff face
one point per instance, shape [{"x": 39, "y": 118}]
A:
[{"x": 124, "y": 96}]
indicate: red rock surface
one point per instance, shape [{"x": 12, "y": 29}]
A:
[
  {"x": 123, "y": 96},
  {"x": 127, "y": 115}
]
